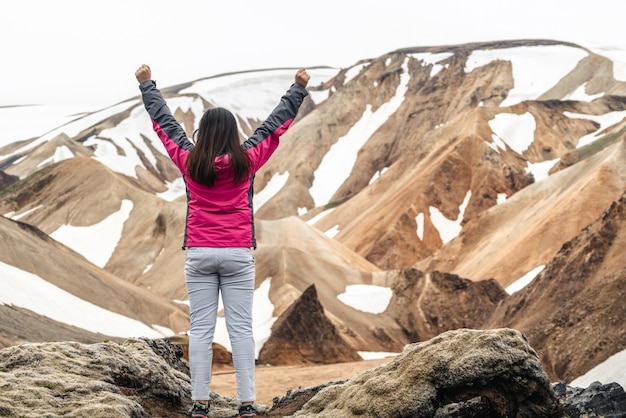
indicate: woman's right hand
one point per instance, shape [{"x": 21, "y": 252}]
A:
[
  {"x": 143, "y": 73},
  {"x": 302, "y": 77}
]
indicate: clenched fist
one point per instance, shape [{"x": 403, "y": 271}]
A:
[
  {"x": 143, "y": 73},
  {"x": 302, "y": 77}
]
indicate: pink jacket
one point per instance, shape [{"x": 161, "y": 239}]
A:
[{"x": 221, "y": 215}]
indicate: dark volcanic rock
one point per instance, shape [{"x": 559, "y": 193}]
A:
[
  {"x": 303, "y": 334},
  {"x": 598, "y": 400},
  {"x": 572, "y": 311},
  {"x": 427, "y": 304},
  {"x": 7, "y": 179},
  {"x": 171, "y": 353}
]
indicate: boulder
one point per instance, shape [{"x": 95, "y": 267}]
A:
[
  {"x": 460, "y": 373},
  {"x": 137, "y": 378}
]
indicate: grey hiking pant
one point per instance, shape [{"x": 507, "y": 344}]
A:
[{"x": 207, "y": 272}]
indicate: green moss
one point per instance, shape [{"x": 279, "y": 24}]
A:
[
  {"x": 599, "y": 144},
  {"x": 67, "y": 354}
]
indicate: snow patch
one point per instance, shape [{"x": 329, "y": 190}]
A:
[
  {"x": 540, "y": 171},
  {"x": 419, "y": 219},
  {"x": 60, "y": 153},
  {"x": 448, "y": 229},
  {"x": 96, "y": 242},
  {"x": 175, "y": 189},
  {"x": 15, "y": 217},
  {"x": 332, "y": 232},
  {"x": 353, "y": 72},
  {"x": 610, "y": 370},
  {"x": 517, "y": 131},
  {"x": 581, "y": 95},
  {"x": 536, "y": 69},
  {"x": 523, "y": 281},
  {"x": 271, "y": 188},
  {"x": 319, "y": 216},
  {"x": 337, "y": 163},
  {"x": 366, "y": 298},
  {"x": 377, "y": 175},
  {"x": 29, "y": 291},
  {"x": 605, "y": 121}
]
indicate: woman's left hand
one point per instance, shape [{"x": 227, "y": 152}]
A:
[{"x": 143, "y": 73}]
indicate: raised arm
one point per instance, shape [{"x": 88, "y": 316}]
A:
[
  {"x": 169, "y": 131},
  {"x": 265, "y": 138}
]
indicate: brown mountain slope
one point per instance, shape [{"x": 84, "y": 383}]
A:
[
  {"x": 32, "y": 158},
  {"x": 573, "y": 311},
  {"x": 528, "y": 229},
  {"x": 19, "y": 326},
  {"x": 291, "y": 253},
  {"x": 380, "y": 222},
  {"x": 83, "y": 192},
  {"x": 434, "y": 149},
  {"x": 295, "y": 255},
  {"x": 30, "y": 250}
]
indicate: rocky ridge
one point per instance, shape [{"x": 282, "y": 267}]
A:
[{"x": 461, "y": 373}]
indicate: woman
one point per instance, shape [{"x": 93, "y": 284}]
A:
[{"x": 218, "y": 172}]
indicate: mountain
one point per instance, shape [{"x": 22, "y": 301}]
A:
[
  {"x": 66, "y": 289},
  {"x": 425, "y": 190},
  {"x": 571, "y": 311}
]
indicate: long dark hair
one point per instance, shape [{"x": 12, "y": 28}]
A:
[{"x": 216, "y": 136}]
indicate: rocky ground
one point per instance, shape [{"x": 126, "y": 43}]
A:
[{"x": 461, "y": 373}]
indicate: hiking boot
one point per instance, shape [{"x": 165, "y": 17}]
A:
[
  {"x": 200, "y": 410},
  {"x": 247, "y": 411}
]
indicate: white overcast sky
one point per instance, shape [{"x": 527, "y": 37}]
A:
[{"x": 85, "y": 52}]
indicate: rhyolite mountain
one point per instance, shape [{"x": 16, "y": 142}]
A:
[{"x": 441, "y": 174}]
